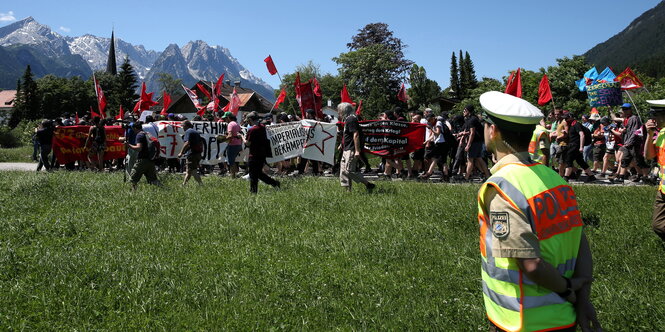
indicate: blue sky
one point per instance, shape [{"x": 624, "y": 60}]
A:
[{"x": 499, "y": 35}]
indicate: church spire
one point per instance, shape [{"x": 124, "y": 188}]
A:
[{"x": 111, "y": 66}]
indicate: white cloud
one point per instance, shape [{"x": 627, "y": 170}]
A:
[
  {"x": 64, "y": 29},
  {"x": 7, "y": 17}
]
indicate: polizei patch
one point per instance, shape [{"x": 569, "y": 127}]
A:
[{"x": 500, "y": 224}]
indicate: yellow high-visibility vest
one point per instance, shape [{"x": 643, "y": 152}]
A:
[
  {"x": 538, "y": 133},
  {"x": 512, "y": 301}
]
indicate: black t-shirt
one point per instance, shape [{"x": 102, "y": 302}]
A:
[
  {"x": 473, "y": 122},
  {"x": 99, "y": 134},
  {"x": 45, "y": 136},
  {"x": 259, "y": 145},
  {"x": 194, "y": 138},
  {"x": 350, "y": 127},
  {"x": 574, "y": 135},
  {"x": 142, "y": 139}
]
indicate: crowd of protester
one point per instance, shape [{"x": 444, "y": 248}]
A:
[{"x": 588, "y": 149}]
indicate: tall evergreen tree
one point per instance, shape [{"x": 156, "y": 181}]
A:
[
  {"x": 463, "y": 88},
  {"x": 470, "y": 72},
  {"x": 127, "y": 85},
  {"x": 454, "y": 76},
  {"x": 26, "y": 106}
]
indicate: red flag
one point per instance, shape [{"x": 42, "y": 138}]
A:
[
  {"x": 218, "y": 85},
  {"x": 101, "y": 99},
  {"x": 121, "y": 115},
  {"x": 544, "y": 91},
  {"x": 280, "y": 98},
  {"x": 401, "y": 95},
  {"x": 226, "y": 108},
  {"x": 345, "y": 96},
  {"x": 203, "y": 89},
  {"x": 318, "y": 98},
  {"x": 305, "y": 97},
  {"x": 234, "y": 103},
  {"x": 76, "y": 119},
  {"x": 629, "y": 80},
  {"x": 360, "y": 107},
  {"x": 193, "y": 97},
  {"x": 514, "y": 84},
  {"x": 145, "y": 102},
  {"x": 166, "y": 98},
  {"x": 93, "y": 113},
  {"x": 271, "y": 65}
]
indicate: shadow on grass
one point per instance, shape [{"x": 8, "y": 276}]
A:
[
  {"x": 591, "y": 219},
  {"x": 384, "y": 191}
]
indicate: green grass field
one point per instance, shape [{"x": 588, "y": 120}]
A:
[
  {"x": 79, "y": 251},
  {"x": 21, "y": 154}
]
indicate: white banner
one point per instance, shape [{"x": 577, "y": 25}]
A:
[
  {"x": 171, "y": 133},
  {"x": 312, "y": 139}
]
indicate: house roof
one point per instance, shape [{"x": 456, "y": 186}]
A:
[{"x": 7, "y": 98}]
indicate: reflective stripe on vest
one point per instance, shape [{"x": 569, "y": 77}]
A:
[
  {"x": 537, "y": 154},
  {"x": 513, "y": 302}
]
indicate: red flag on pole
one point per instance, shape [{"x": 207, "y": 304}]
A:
[
  {"x": 280, "y": 98},
  {"x": 203, "y": 89},
  {"x": 234, "y": 103},
  {"x": 101, "y": 99},
  {"x": 629, "y": 80},
  {"x": 271, "y": 65},
  {"x": 76, "y": 119},
  {"x": 544, "y": 91},
  {"x": 121, "y": 115},
  {"x": 360, "y": 107},
  {"x": 345, "y": 96},
  {"x": 93, "y": 113},
  {"x": 166, "y": 99},
  {"x": 318, "y": 98},
  {"x": 193, "y": 97},
  {"x": 401, "y": 95},
  {"x": 145, "y": 102},
  {"x": 514, "y": 84},
  {"x": 218, "y": 85}
]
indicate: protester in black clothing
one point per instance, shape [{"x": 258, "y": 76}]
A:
[
  {"x": 143, "y": 165},
  {"x": 474, "y": 143},
  {"x": 96, "y": 143},
  {"x": 259, "y": 148},
  {"x": 44, "y": 137},
  {"x": 574, "y": 149},
  {"x": 191, "y": 150}
]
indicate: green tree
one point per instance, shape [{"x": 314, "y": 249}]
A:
[
  {"x": 422, "y": 89},
  {"x": 26, "y": 106},
  {"x": 380, "y": 34},
  {"x": 462, "y": 91},
  {"x": 59, "y": 95},
  {"x": 486, "y": 84},
  {"x": 128, "y": 85},
  {"x": 562, "y": 79},
  {"x": 454, "y": 77},
  {"x": 307, "y": 71},
  {"x": 470, "y": 79},
  {"x": 370, "y": 74},
  {"x": 169, "y": 84}
]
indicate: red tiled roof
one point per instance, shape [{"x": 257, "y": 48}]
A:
[{"x": 7, "y": 98}]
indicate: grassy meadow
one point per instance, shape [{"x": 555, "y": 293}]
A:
[
  {"x": 79, "y": 251},
  {"x": 20, "y": 154}
]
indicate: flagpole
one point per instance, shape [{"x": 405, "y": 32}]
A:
[{"x": 633, "y": 102}]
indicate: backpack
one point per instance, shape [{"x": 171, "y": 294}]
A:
[
  {"x": 587, "y": 135},
  {"x": 447, "y": 134},
  {"x": 154, "y": 147}
]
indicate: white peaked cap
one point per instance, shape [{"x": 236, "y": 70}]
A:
[{"x": 510, "y": 108}]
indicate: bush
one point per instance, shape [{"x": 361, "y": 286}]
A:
[
  {"x": 24, "y": 131},
  {"x": 8, "y": 139}
]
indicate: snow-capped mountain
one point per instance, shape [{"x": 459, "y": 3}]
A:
[
  {"x": 79, "y": 56},
  {"x": 95, "y": 51}
]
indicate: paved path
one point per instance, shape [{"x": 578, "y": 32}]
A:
[{"x": 18, "y": 166}]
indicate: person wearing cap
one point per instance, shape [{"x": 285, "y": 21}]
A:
[
  {"x": 536, "y": 261},
  {"x": 474, "y": 143},
  {"x": 657, "y": 150},
  {"x": 631, "y": 149},
  {"x": 351, "y": 149},
  {"x": 234, "y": 142},
  {"x": 259, "y": 149}
]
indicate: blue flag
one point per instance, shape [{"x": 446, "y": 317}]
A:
[
  {"x": 607, "y": 76},
  {"x": 590, "y": 75}
]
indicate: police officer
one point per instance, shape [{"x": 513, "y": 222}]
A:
[
  {"x": 536, "y": 262},
  {"x": 657, "y": 150}
]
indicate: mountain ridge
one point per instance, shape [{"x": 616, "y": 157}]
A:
[{"x": 28, "y": 42}]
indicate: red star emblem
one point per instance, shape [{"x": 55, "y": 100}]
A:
[{"x": 321, "y": 147}]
